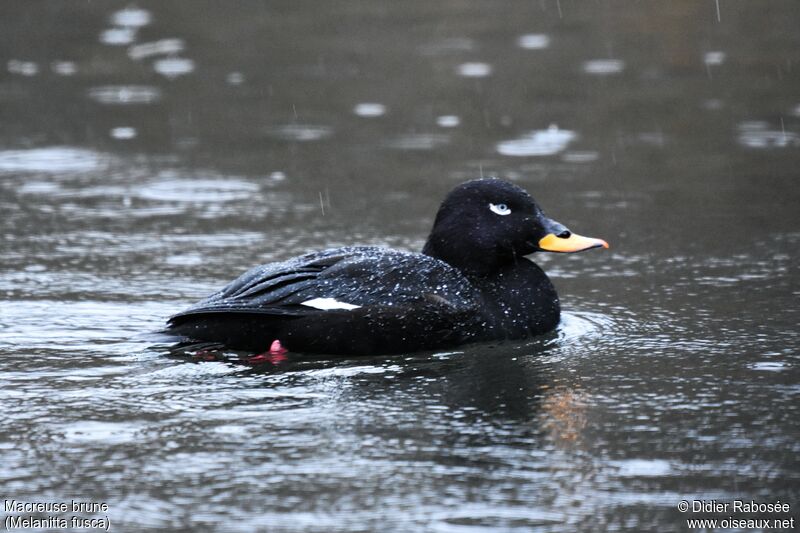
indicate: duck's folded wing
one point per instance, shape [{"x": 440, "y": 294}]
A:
[
  {"x": 341, "y": 280},
  {"x": 263, "y": 288}
]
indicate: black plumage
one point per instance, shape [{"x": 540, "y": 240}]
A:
[{"x": 470, "y": 283}]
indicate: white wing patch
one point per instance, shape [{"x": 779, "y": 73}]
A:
[{"x": 328, "y": 304}]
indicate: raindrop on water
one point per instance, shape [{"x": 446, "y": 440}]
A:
[
  {"x": 533, "y": 41},
  {"x": 448, "y": 121},
  {"x": 714, "y": 58},
  {"x": 64, "y": 68},
  {"x": 24, "y": 68},
  {"x": 770, "y": 366},
  {"x": 132, "y": 17},
  {"x": 277, "y": 176},
  {"x": 123, "y": 133},
  {"x": 125, "y": 94},
  {"x": 235, "y": 78},
  {"x": 603, "y": 67},
  {"x": 474, "y": 70},
  {"x": 580, "y": 157},
  {"x": 369, "y": 110},
  {"x": 300, "y": 132},
  {"x": 756, "y": 134},
  {"x": 538, "y": 143},
  {"x": 51, "y": 159},
  {"x": 162, "y": 47},
  {"x": 173, "y": 67},
  {"x": 197, "y": 190},
  {"x": 118, "y": 36},
  {"x": 418, "y": 141}
]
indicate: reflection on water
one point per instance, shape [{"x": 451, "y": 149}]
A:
[{"x": 143, "y": 165}]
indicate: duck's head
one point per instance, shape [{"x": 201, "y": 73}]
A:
[{"x": 486, "y": 223}]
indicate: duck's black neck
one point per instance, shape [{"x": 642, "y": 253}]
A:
[
  {"x": 480, "y": 263},
  {"x": 479, "y": 260}
]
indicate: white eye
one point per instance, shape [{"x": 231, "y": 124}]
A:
[{"x": 500, "y": 209}]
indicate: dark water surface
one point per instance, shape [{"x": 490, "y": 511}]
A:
[{"x": 150, "y": 153}]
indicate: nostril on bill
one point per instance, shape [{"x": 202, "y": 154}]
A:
[{"x": 564, "y": 234}]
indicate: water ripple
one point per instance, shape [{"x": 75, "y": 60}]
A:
[
  {"x": 23, "y": 68},
  {"x": 160, "y": 47},
  {"x": 757, "y": 135},
  {"x": 125, "y": 94},
  {"x": 418, "y": 141},
  {"x": 197, "y": 190},
  {"x": 300, "y": 132},
  {"x": 52, "y": 159}
]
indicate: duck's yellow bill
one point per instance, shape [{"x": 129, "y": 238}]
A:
[{"x": 573, "y": 243}]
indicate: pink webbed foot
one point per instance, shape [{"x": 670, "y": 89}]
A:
[{"x": 275, "y": 355}]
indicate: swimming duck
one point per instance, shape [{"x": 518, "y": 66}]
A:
[{"x": 471, "y": 282}]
